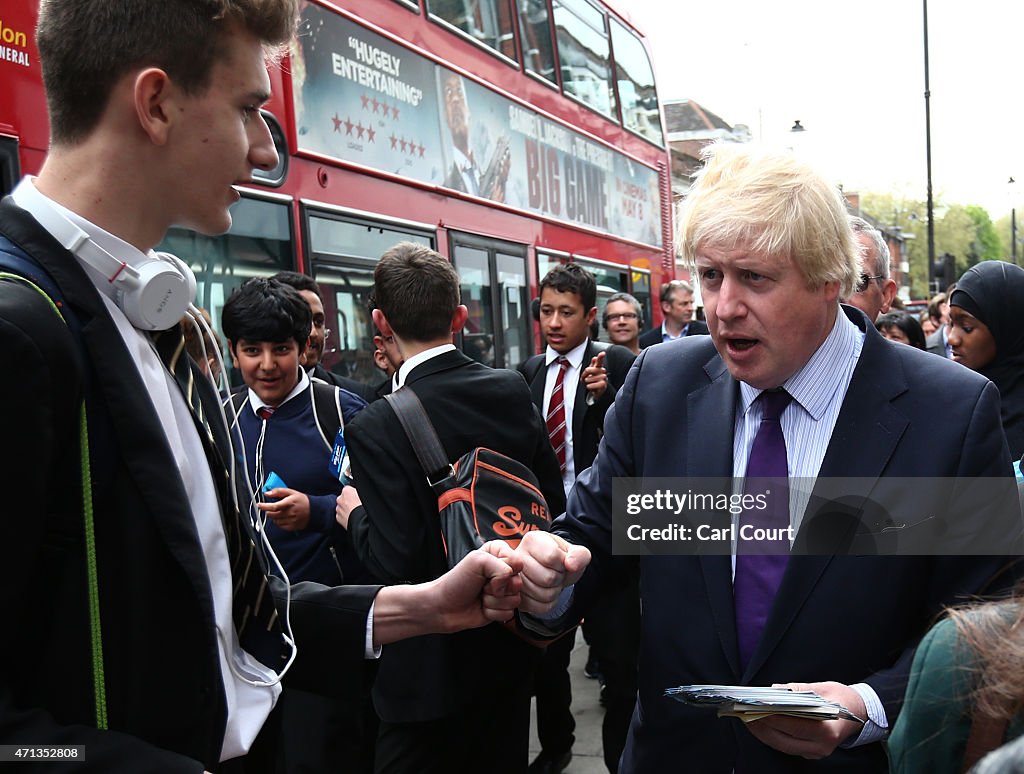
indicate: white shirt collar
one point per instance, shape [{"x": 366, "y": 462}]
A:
[
  {"x": 574, "y": 355},
  {"x": 256, "y": 403},
  {"x": 407, "y": 367},
  {"x": 33, "y": 201},
  {"x": 814, "y": 384}
]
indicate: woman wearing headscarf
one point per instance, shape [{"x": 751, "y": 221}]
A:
[{"x": 986, "y": 333}]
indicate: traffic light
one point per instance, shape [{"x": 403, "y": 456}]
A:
[{"x": 944, "y": 271}]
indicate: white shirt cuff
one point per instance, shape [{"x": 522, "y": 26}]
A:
[
  {"x": 877, "y": 727},
  {"x": 369, "y": 651}
]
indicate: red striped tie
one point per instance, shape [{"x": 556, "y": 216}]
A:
[
  {"x": 265, "y": 412},
  {"x": 556, "y": 414}
]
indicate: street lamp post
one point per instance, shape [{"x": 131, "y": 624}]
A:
[
  {"x": 928, "y": 154},
  {"x": 1013, "y": 223}
]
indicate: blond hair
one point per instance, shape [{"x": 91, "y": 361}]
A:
[{"x": 771, "y": 203}]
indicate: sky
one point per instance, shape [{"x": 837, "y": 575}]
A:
[{"x": 853, "y": 75}]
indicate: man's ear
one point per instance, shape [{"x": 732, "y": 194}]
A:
[
  {"x": 888, "y": 294},
  {"x": 459, "y": 318},
  {"x": 381, "y": 321},
  {"x": 231, "y": 350},
  {"x": 153, "y": 95},
  {"x": 591, "y": 315}
]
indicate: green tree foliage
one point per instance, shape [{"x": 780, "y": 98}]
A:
[{"x": 966, "y": 231}]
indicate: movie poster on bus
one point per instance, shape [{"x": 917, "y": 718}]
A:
[
  {"x": 361, "y": 98},
  {"x": 505, "y": 152}
]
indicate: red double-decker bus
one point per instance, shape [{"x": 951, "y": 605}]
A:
[{"x": 509, "y": 135}]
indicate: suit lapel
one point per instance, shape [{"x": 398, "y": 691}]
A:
[
  {"x": 709, "y": 454},
  {"x": 865, "y": 436}
]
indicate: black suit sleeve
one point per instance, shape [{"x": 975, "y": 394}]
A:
[{"x": 43, "y": 382}]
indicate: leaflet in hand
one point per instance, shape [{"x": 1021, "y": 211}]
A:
[{"x": 751, "y": 703}]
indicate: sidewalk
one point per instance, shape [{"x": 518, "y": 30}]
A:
[{"x": 586, "y": 708}]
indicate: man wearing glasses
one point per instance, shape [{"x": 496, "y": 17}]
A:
[
  {"x": 875, "y": 289},
  {"x": 623, "y": 317}
]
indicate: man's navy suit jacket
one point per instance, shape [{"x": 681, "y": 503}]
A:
[
  {"x": 842, "y": 618},
  {"x": 654, "y": 335}
]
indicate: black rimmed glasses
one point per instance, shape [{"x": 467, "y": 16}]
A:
[
  {"x": 864, "y": 279},
  {"x": 620, "y": 316}
]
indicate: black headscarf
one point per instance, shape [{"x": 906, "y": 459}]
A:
[{"x": 993, "y": 292}]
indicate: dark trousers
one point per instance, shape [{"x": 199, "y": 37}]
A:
[
  {"x": 555, "y": 723},
  {"x": 614, "y": 628},
  {"x": 490, "y": 734}
]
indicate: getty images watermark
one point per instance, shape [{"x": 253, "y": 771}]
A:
[{"x": 860, "y": 516}]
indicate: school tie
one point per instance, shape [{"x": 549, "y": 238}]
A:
[
  {"x": 758, "y": 575},
  {"x": 556, "y": 413},
  {"x": 256, "y": 619},
  {"x": 264, "y": 412}
]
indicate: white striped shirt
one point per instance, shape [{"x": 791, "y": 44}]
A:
[{"x": 818, "y": 390}]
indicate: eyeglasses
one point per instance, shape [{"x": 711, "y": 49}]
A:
[
  {"x": 620, "y": 316},
  {"x": 863, "y": 280}
]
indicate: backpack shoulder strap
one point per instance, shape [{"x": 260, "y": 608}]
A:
[
  {"x": 326, "y": 400},
  {"x": 15, "y": 264},
  {"x": 421, "y": 433}
]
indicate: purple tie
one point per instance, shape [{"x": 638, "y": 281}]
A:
[{"x": 758, "y": 575}]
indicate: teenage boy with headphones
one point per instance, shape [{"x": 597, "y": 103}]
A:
[
  {"x": 118, "y": 597},
  {"x": 267, "y": 324}
]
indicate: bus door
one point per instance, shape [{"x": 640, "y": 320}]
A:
[
  {"x": 495, "y": 289},
  {"x": 10, "y": 171},
  {"x": 615, "y": 278},
  {"x": 343, "y": 249}
]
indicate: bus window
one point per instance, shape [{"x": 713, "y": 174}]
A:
[
  {"x": 488, "y": 22},
  {"x": 9, "y": 172},
  {"x": 635, "y": 78},
  {"x": 583, "y": 54},
  {"x": 344, "y": 250},
  {"x": 535, "y": 34},
  {"x": 336, "y": 236},
  {"x": 495, "y": 289},
  {"x": 474, "y": 272},
  {"x": 258, "y": 244},
  {"x": 348, "y": 349},
  {"x": 641, "y": 290},
  {"x": 513, "y": 292}
]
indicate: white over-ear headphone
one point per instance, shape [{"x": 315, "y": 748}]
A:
[{"x": 153, "y": 295}]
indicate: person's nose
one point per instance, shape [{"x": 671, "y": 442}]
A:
[
  {"x": 729, "y": 303},
  {"x": 262, "y": 153}
]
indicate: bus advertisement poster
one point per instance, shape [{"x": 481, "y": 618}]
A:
[{"x": 364, "y": 99}]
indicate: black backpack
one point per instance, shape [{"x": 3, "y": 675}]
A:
[{"x": 482, "y": 496}]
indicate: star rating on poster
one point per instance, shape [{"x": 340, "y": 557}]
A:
[
  {"x": 365, "y": 130},
  {"x": 358, "y": 128},
  {"x": 379, "y": 107}
]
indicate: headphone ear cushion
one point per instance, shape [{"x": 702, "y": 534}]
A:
[
  {"x": 159, "y": 298},
  {"x": 186, "y": 272}
]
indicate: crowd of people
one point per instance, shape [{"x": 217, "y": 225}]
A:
[{"x": 215, "y": 578}]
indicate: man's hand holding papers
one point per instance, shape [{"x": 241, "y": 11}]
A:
[{"x": 805, "y": 719}]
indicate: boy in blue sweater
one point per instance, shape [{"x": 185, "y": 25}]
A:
[{"x": 267, "y": 324}]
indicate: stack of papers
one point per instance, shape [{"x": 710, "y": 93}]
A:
[{"x": 750, "y": 704}]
